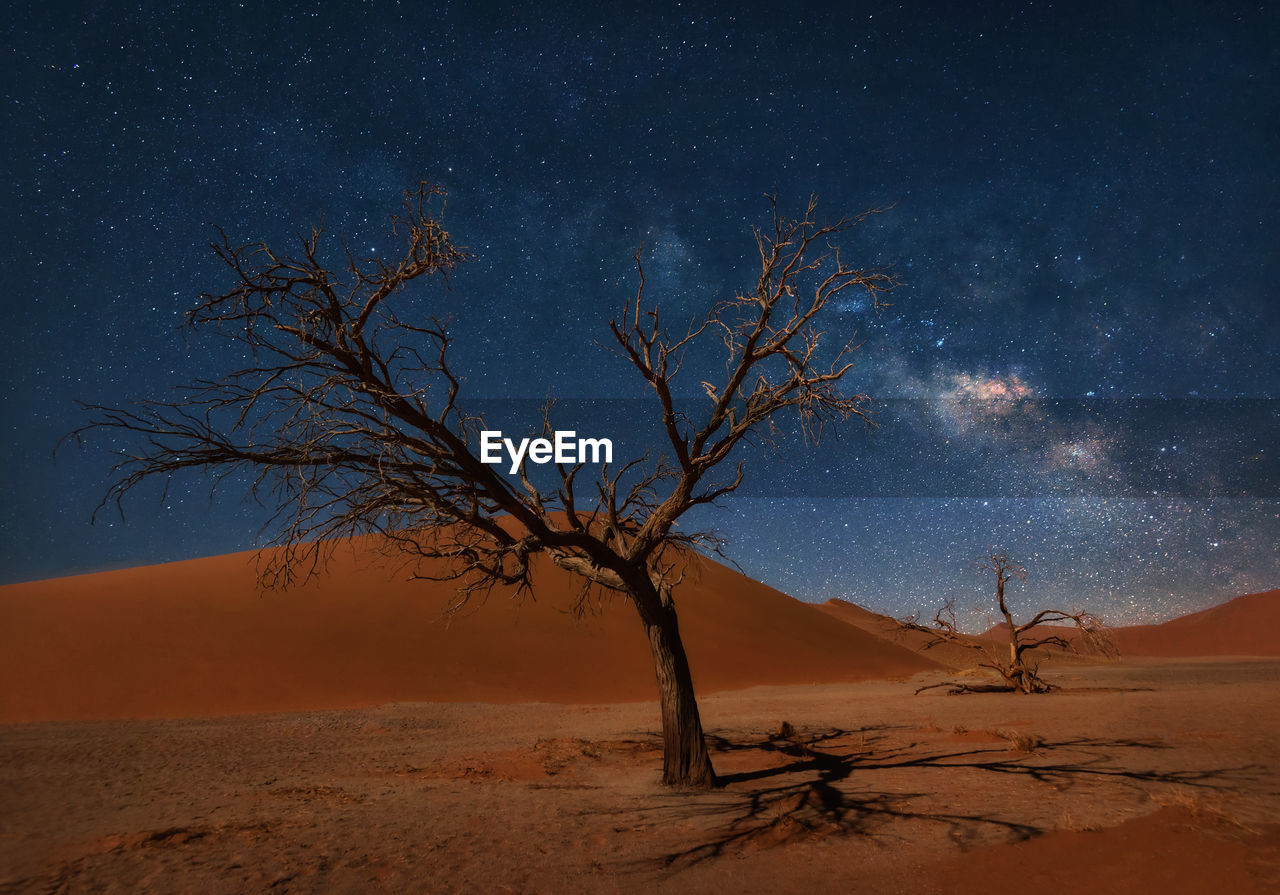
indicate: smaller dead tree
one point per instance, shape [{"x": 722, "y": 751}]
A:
[{"x": 1015, "y": 663}]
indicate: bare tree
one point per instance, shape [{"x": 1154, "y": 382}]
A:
[
  {"x": 349, "y": 419},
  {"x": 1017, "y": 670}
]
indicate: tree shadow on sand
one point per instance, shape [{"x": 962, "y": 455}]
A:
[{"x": 816, "y": 784}]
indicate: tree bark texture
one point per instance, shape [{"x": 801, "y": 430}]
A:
[{"x": 685, "y": 761}]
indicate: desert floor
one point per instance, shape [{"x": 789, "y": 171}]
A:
[{"x": 1150, "y": 775}]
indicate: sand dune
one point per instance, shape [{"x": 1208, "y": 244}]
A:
[
  {"x": 1246, "y": 626},
  {"x": 196, "y": 638},
  {"x": 947, "y": 654}
]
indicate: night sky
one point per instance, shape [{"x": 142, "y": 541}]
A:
[{"x": 1081, "y": 367}]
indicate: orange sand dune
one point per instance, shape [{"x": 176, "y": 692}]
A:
[
  {"x": 949, "y": 655},
  {"x": 1245, "y": 626},
  {"x": 196, "y": 638}
]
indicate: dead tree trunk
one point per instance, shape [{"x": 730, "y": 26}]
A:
[
  {"x": 1015, "y": 674},
  {"x": 685, "y": 760}
]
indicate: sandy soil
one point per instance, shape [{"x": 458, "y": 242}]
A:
[{"x": 1151, "y": 775}]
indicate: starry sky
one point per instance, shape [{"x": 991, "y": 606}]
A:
[{"x": 1081, "y": 367}]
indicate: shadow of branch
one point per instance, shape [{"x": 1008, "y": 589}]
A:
[{"x": 806, "y": 790}]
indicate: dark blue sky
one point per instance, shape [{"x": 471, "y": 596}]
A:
[{"x": 1082, "y": 366}]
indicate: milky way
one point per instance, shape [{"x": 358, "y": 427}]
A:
[{"x": 1081, "y": 366}]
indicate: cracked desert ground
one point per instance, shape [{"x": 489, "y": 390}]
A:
[{"x": 1158, "y": 776}]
